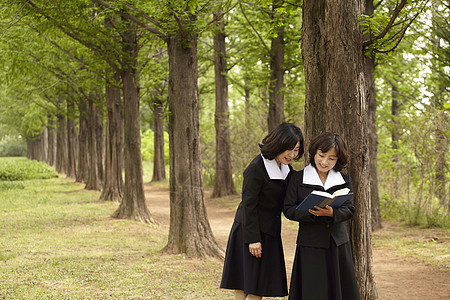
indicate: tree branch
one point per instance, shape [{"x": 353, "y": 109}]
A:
[
  {"x": 397, "y": 11},
  {"x": 403, "y": 33},
  {"x": 134, "y": 19},
  {"x": 254, "y": 29}
]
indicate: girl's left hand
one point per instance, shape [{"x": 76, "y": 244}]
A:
[{"x": 322, "y": 212}]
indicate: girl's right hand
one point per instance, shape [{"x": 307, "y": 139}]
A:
[{"x": 255, "y": 249}]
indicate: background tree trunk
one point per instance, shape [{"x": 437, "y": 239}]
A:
[
  {"x": 395, "y": 136},
  {"x": 223, "y": 179},
  {"x": 61, "y": 140},
  {"x": 159, "y": 166},
  {"x": 51, "y": 136},
  {"x": 276, "y": 96},
  {"x": 112, "y": 188},
  {"x": 93, "y": 182},
  {"x": 81, "y": 175},
  {"x": 133, "y": 204},
  {"x": 71, "y": 140},
  {"x": 99, "y": 136},
  {"x": 189, "y": 230},
  {"x": 336, "y": 92},
  {"x": 369, "y": 63}
]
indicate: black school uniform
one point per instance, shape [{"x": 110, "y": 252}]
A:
[
  {"x": 323, "y": 267},
  {"x": 258, "y": 219}
]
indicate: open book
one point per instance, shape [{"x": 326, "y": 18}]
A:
[{"x": 321, "y": 199}]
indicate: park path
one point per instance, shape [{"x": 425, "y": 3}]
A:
[{"x": 397, "y": 278}]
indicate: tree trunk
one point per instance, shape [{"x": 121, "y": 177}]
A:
[
  {"x": 189, "y": 231},
  {"x": 61, "y": 141},
  {"x": 133, "y": 204},
  {"x": 336, "y": 93},
  {"x": 82, "y": 175},
  {"x": 99, "y": 137},
  {"x": 93, "y": 182},
  {"x": 276, "y": 96},
  {"x": 369, "y": 63},
  {"x": 442, "y": 115},
  {"x": 51, "y": 135},
  {"x": 71, "y": 140},
  {"x": 395, "y": 136},
  {"x": 223, "y": 179},
  {"x": 159, "y": 166},
  {"x": 112, "y": 188}
]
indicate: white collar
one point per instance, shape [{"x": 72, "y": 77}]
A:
[
  {"x": 311, "y": 177},
  {"x": 273, "y": 170}
]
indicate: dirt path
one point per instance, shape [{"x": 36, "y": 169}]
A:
[{"x": 397, "y": 278}]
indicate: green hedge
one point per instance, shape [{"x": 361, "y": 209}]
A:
[{"x": 16, "y": 169}]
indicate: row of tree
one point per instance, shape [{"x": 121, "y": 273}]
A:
[{"x": 78, "y": 77}]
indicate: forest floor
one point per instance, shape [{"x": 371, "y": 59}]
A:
[{"x": 397, "y": 276}]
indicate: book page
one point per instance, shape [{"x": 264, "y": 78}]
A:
[
  {"x": 343, "y": 191},
  {"x": 323, "y": 194}
]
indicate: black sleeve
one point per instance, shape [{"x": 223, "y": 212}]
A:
[
  {"x": 291, "y": 201},
  {"x": 253, "y": 181}
]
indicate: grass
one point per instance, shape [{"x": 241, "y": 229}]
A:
[{"x": 58, "y": 242}]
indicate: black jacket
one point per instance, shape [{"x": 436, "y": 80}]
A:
[
  {"x": 316, "y": 231},
  {"x": 262, "y": 202}
]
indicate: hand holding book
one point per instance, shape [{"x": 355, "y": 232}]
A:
[{"x": 322, "y": 199}]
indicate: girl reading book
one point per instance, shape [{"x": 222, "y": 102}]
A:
[
  {"x": 323, "y": 267},
  {"x": 254, "y": 262}
]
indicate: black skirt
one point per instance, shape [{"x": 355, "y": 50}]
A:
[
  {"x": 324, "y": 274},
  {"x": 265, "y": 276}
]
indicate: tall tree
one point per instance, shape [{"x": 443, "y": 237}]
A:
[
  {"x": 276, "y": 93},
  {"x": 369, "y": 62},
  {"x": 439, "y": 38},
  {"x": 189, "y": 230},
  {"x": 223, "y": 178},
  {"x": 61, "y": 139},
  {"x": 133, "y": 204},
  {"x": 159, "y": 166},
  {"x": 112, "y": 188},
  {"x": 336, "y": 92},
  {"x": 71, "y": 139},
  {"x": 93, "y": 181}
]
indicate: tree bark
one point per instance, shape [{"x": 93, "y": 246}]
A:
[
  {"x": 112, "y": 189},
  {"x": 189, "y": 230},
  {"x": 159, "y": 166},
  {"x": 395, "y": 136},
  {"x": 51, "y": 136},
  {"x": 276, "y": 96},
  {"x": 369, "y": 62},
  {"x": 71, "y": 140},
  {"x": 336, "y": 91},
  {"x": 99, "y": 136},
  {"x": 61, "y": 140},
  {"x": 82, "y": 175},
  {"x": 93, "y": 182},
  {"x": 133, "y": 204},
  {"x": 223, "y": 179},
  {"x": 442, "y": 116}
]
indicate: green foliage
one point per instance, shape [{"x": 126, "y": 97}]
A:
[
  {"x": 12, "y": 146},
  {"x": 413, "y": 155},
  {"x": 15, "y": 169},
  {"x": 147, "y": 146}
]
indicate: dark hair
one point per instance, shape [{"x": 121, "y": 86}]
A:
[
  {"x": 324, "y": 142},
  {"x": 284, "y": 137}
]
